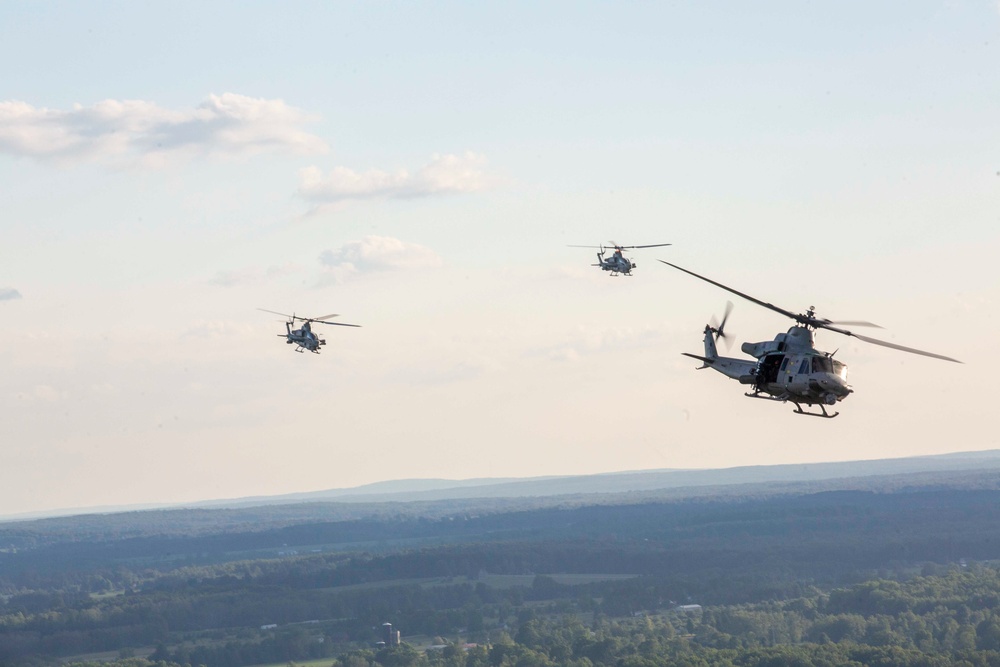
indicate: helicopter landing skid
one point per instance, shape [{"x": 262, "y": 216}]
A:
[
  {"x": 825, "y": 415},
  {"x": 798, "y": 408}
]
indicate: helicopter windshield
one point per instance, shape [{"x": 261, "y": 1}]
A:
[
  {"x": 828, "y": 365},
  {"x": 822, "y": 365}
]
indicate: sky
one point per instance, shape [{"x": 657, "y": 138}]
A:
[{"x": 420, "y": 169}]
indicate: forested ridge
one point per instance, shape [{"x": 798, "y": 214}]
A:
[
  {"x": 950, "y": 618},
  {"x": 905, "y": 573}
]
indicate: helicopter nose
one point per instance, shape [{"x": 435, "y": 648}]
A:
[
  {"x": 834, "y": 388},
  {"x": 837, "y": 385}
]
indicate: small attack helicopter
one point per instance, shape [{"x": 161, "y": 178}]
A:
[
  {"x": 617, "y": 263},
  {"x": 789, "y": 368},
  {"x": 304, "y": 338}
]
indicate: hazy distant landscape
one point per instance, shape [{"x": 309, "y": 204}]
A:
[
  {"x": 435, "y": 334},
  {"x": 824, "y": 560}
]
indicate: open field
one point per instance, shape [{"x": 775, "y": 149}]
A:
[
  {"x": 491, "y": 580},
  {"x": 514, "y": 580}
]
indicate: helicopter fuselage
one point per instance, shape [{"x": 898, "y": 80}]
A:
[
  {"x": 788, "y": 368},
  {"x": 617, "y": 263},
  {"x": 303, "y": 338}
]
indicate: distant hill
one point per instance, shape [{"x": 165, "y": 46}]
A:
[
  {"x": 624, "y": 482},
  {"x": 673, "y": 483}
]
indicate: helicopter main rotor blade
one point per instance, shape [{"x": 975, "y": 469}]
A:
[
  {"x": 336, "y": 324},
  {"x": 655, "y": 245},
  {"x": 817, "y": 322},
  {"x": 850, "y": 323},
  {"x": 274, "y": 312},
  {"x": 585, "y": 246},
  {"x": 911, "y": 350},
  {"x": 324, "y": 317},
  {"x": 765, "y": 304}
]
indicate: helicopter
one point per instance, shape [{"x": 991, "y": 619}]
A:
[
  {"x": 617, "y": 263},
  {"x": 304, "y": 338},
  {"x": 789, "y": 368}
]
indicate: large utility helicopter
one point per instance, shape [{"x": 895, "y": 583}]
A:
[
  {"x": 617, "y": 262},
  {"x": 789, "y": 368},
  {"x": 303, "y": 338}
]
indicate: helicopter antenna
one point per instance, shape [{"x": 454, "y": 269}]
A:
[{"x": 810, "y": 320}]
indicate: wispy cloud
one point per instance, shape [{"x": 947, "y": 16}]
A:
[
  {"x": 253, "y": 275},
  {"x": 218, "y": 329},
  {"x": 9, "y": 294},
  {"x": 444, "y": 174},
  {"x": 42, "y": 392},
  {"x": 446, "y": 371},
  {"x": 588, "y": 341},
  {"x": 122, "y": 131},
  {"x": 376, "y": 253}
]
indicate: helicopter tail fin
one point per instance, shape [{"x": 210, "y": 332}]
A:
[{"x": 711, "y": 352}]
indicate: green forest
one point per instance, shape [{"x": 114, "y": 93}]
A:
[{"x": 888, "y": 575}]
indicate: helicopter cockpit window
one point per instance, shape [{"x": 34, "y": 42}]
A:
[
  {"x": 822, "y": 365},
  {"x": 804, "y": 366},
  {"x": 840, "y": 369}
]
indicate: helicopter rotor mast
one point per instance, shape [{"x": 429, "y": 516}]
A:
[{"x": 809, "y": 319}]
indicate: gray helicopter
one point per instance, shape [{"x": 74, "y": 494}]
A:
[
  {"x": 303, "y": 338},
  {"x": 789, "y": 368},
  {"x": 617, "y": 263}
]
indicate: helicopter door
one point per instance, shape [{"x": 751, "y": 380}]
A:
[{"x": 769, "y": 366}]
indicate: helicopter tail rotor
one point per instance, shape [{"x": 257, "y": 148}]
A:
[{"x": 719, "y": 330}]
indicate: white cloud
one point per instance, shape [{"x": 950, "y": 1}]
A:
[
  {"x": 136, "y": 130},
  {"x": 445, "y": 174},
  {"x": 376, "y": 253},
  {"x": 9, "y": 294}
]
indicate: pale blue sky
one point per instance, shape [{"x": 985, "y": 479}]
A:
[{"x": 420, "y": 168}]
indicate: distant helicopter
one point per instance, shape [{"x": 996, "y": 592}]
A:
[
  {"x": 617, "y": 263},
  {"x": 304, "y": 338},
  {"x": 789, "y": 368}
]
